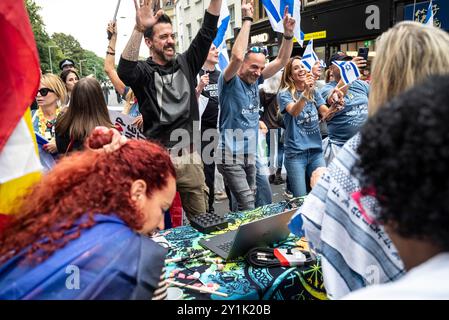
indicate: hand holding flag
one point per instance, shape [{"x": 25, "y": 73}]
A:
[
  {"x": 349, "y": 71},
  {"x": 247, "y": 8},
  {"x": 309, "y": 57},
  {"x": 274, "y": 10}
]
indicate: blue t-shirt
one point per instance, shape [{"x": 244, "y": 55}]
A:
[
  {"x": 347, "y": 122},
  {"x": 301, "y": 132},
  {"x": 239, "y": 115}
]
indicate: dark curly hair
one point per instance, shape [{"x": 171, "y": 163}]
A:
[{"x": 404, "y": 156}]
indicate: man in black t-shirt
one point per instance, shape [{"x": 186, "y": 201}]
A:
[
  {"x": 165, "y": 85},
  {"x": 208, "y": 89}
]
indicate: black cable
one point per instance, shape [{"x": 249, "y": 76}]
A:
[{"x": 261, "y": 257}]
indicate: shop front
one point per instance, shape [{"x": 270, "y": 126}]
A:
[{"x": 345, "y": 26}]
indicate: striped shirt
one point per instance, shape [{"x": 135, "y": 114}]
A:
[
  {"x": 354, "y": 252},
  {"x": 161, "y": 292}
]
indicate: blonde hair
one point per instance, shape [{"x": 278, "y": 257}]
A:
[
  {"x": 406, "y": 54},
  {"x": 287, "y": 82},
  {"x": 55, "y": 83}
]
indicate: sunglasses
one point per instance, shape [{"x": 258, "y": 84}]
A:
[
  {"x": 262, "y": 50},
  {"x": 44, "y": 91}
]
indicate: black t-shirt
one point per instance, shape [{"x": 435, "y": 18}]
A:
[
  {"x": 270, "y": 115},
  {"x": 210, "y": 115},
  {"x": 166, "y": 94}
]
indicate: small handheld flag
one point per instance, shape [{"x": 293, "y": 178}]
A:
[
  {"x": 309, "y": 57},
  {"x": 219, "y": 41},
  {"x": 275, "y": 10},
  {"x": 349, "y": 71}
]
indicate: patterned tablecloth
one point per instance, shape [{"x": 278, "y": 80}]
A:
[{"x": 239, "y": 280}]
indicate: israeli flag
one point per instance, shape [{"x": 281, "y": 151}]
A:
[
  {"x": 275, "y": 11},
  {"x": 220, "y": 39},
  {"x": 309, "y": 57},
  {"x": 349, "y": 71},
  {"x": 429, "y": 15}
]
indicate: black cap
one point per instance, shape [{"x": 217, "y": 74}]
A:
[
  {"x": 339, "y": 56},
  {"x": 66, "y": 62}
]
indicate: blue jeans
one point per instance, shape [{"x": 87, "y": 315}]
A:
[
  {"x": 301, "y": 165},
  {"x": 263, "y": 188},
  {"x": 240, "y": 178},
  {"x": 276, "y": 134}
]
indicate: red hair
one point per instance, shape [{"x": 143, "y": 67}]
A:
[{"x": 87, "y": 182}]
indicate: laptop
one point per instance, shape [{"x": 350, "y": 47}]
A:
[{"x": 259, "y": 233}]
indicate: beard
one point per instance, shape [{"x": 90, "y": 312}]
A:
[{"x": 163, "y": 55}]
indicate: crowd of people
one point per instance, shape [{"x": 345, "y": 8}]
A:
[{"x": 369, "y": 155}]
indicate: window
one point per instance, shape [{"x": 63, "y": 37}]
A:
[
  {"x": 308, "y": 3},
  {"x": 189, "y": 32},
  {"x": 200, "y": 22},
  {"x": 231, "y": 20},
  {"x": 187, "y": 4}
]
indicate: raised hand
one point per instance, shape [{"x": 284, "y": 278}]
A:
[
  {"x": 310, "y": 82},
  {"x": 145, "y": 18},
  {"x": 247, "y": 8},
  {"x": 204, "y": 79},
  {"x": 359, "y": 62},
  {"x": 111, "y": 30},
  {"x": 289, "y": 23}
]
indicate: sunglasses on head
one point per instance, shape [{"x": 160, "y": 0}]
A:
[
  {"x": 256, "y": 49},
  {"x": 44, "y": 91}
]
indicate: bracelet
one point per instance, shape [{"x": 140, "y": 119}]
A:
[
  {"x": 302, "y": 96},
  {"x": 288, "y": 37},
  {"x": 248, "y": 19},
  {"x": 110, "y": 53}
]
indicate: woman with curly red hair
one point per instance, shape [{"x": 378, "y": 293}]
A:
[{"x": 80, "y": 233}]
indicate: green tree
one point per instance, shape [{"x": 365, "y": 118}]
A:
[{"x": 60, "y": 46}]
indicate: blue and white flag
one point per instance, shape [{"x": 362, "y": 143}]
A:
[
  {"x": 309, "y": 57},
  {"x": 220, "y": 39},
  {"x": 429, "y": 15},
  {"x": 275, "y": 11},
  {"x": 349, "y": 71}
]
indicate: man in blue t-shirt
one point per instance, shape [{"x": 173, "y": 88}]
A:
[
  {"x": 346, "y": 122},
  {"x": 239, "y": 107}
]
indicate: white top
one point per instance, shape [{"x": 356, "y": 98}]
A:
[{"x": 428, "y": 281}]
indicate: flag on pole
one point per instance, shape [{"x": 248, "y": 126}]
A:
[
  {"x": 349, "y": 71},
  {"x": 275, "y": 12},
  {"x": 220, "y": 39},
  {"x": 309, "y": 57},
  {"x": 429, "y": 16},
  {"x": 19, "y": 80}
]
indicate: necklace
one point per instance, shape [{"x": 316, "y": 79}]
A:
[{"x": 47, "y": 127}]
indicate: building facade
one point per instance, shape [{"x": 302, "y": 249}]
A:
[{"x": 334, "y": 25}]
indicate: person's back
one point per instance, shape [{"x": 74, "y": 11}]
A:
[
  {"x": 97, "y": 265},
  {"x": 412, "y": 204},
  {"x": 81, "y": 232}
]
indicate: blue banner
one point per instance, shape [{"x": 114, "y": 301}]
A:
[{"x": 440, "y": 11}]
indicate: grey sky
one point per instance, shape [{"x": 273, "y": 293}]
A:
[{"x": 86, "y": 20}]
